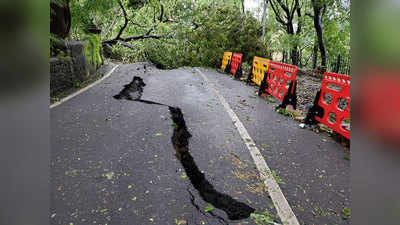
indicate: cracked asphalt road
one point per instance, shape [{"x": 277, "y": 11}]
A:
[{"x": 112, "y": 162}]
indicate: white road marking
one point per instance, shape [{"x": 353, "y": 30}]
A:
[
  {"x": 283, "y": 208},
  {"x": 83, "y": 89}
]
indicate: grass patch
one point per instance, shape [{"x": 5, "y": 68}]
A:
[
  {"x": 346, "y": 213},
  {"x": 270, "y": 99},
  {"x": 285, "y": 112},
  {"x": 263, "y": 217}
]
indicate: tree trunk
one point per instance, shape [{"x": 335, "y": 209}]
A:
[
  {"x": 285, "y": 17},
  {"x": 263, "y": 20},
  {"x": 300, "y": 56},
  {"x": 338, "y": 61},
  {"x": 294, "y": 56},
  {"x": 243, "y": 6},
  {"x": 315, "y": 55},
  {"x": 318, "y": 22},
  {"x": 283, "y": 56},
  {"x": 60, "y": 19}
]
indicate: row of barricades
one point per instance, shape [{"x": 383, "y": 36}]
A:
[
  {"x": 331, "y": 104},
  {"x": 232, "y": 63}
]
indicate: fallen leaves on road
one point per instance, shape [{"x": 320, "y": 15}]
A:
[
  {"x": 264, "y": 146},
  {"x": 208, "y": 208},
  {"x": 180, "y": 222},
  {"x": 109, "y": 175}
]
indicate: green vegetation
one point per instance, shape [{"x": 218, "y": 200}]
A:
[
  {"x": 286, "y": 112},
  {"x": 346, "y": 213},
  {"x": 173, "y": 33},
  {"x": 208, "y": 208},
  {"x": 92, "y": 49},
  {"x": 263, "y": 218},
  {"x": 277, "y": 178}
]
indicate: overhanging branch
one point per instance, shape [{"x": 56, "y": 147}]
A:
[
  {"x": 125, "y": 23},
  {"x": 146, "y": 35}
]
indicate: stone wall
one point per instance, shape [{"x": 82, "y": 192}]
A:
[{"x": 70, "y": 68}]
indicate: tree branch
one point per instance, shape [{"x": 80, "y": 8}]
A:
[
  {"x": 123, "y": 43},
  {"x": 294, "y": 9},
  {"x": 125, "y": 23},
  {"x": 284, "y": 7},
  {"x": 277, "y": 15},
  {"x": 146, "y": 35},
  {"x": 139, "y": 37},
  {"x": 300, "y": 23},
  {"x": 161, "y": 13},
  {"x": 112, "y": 25},
  {"x": 136, "y": 24}
]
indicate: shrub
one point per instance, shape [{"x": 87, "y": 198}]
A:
[{"x": 92, "y": 49}]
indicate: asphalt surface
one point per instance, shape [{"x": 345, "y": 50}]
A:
[{"x": 113, "y": 161}]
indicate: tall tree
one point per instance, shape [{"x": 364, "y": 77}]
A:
[
  {"x": 263, "y": 19},
  {"x": 319, "y": 9},
  {"x": 60, "y": 18},
  {"x": 285, "y": 12},
  {"x": 315, "y": 55}
]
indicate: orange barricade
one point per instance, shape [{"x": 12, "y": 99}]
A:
[
  {"x": 226, "y": 59},
  {"x": 236, "y": 64},
  {"x": 280, "y": 82},
  {"x": 258, "y": 69},
  {"x": 332, "y": 104}
]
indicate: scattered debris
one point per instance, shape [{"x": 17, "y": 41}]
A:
[
  {"x": 208, "y": 208},
  {"x": 264, "y": 146},
  {"x": 346, "y": 213},
  {"x": 270, "y": 99},
  {"x": 261, "y": 218},
  {"x": 180, "y": 222},
  {"x": 158, "y": 134},
  {"x": 109, "y": 175}
]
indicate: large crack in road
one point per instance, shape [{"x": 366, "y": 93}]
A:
[{"x": 234, "y": 209}]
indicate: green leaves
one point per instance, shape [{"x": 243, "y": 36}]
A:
[
  {"x": 346, "y": 213},
  {"x": 262, "y": 218},
  {"x": 204, "y": 37},
  {"x": 208, "y": 208}
]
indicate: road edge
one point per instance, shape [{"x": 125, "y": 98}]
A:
[
  {"x": 83, "y": 89},
  {"x": 282, "y": 206}
]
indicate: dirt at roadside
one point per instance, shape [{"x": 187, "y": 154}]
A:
[{"x": 307, "y": 87}]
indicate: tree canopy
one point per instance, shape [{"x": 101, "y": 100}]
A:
[{"x": 173, "y": 33}]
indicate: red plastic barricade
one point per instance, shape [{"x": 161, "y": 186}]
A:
[
  {"x": 236, "y": 64},
  {"x": 280, "y": 82},
  {"x": 332, "y": 104}
]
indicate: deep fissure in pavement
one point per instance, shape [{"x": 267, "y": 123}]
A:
[{"x": 180, "y": 140}]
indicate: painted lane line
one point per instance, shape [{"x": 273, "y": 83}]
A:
[
  {"x": 83, "y": 89},
  {"x": 283, "y": 208}
]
